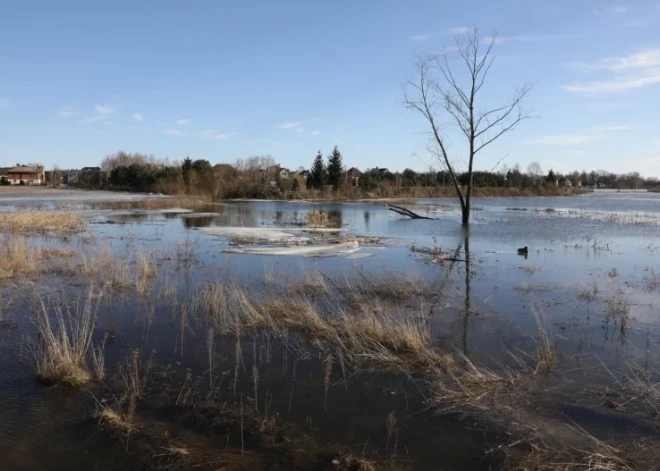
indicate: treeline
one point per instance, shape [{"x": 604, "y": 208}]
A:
[{"x": 261, "y": 177}]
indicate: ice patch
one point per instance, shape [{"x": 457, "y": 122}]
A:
[
  {"x": 302, "y": 251},
  {"x": 255, "y": 235}
]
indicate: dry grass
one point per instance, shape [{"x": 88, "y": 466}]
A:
[
  {"x": 156, "y": 203},
  {"x": 145, "y": 270},
  {"x": 60, "y": 353},
  {"x": 33, "y": 221},
  {"x": 318, "y": 218},
  {"x": 17, "y": 257},
  {"x": 546, "y": 351}
]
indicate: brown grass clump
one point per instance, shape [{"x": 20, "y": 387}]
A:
[
  {"x": 33, "y": 221},
  {"x": 17, "y": 257},
  {"x": 60, "y": 354},
  {"x": 318, "y": 218}
]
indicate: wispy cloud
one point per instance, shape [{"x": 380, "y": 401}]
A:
[
  {"x": 67, "y": 111},
  {"x": 635, "y": 23},
  {"x": 459, "y": 30},
  {"x": 637, "y": 70},
  {"x": 426, "y": 36},
  {"x": 618, "y": 84},
  {"x": 213, "y": 134},
  {"x": 138, "y": 117},
  {"x": 643, "y": 59},
  {"x": 101, "y": 113},
  {"x": 290, "y": 125},
  {"x": 182, "y": 122},
  {"x": 617, "y": 9},
  {"x": 422, "y": 37},
  {"x": 175, "y": 132},
  {"x": 104, "y": 109},
  {"x": 611, "y": 128},
  {"x": 567, "y": 139},
  {"x": 525, "y": 38},
  {"x": 315, "y": 132},
  {"x": 612, "y": 104}
]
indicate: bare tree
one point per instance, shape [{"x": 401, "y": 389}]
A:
[
  {"x": 535, "y": 171},
  {"x": 440, "y": 97}
]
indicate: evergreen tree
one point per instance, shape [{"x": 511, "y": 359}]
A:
[
  {"x": 318, "y": 174},
  {"x": 186, "y": 167},
  {"x": 335, "y": 168}
]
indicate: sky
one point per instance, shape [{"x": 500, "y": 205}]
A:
[{"x": 222, "y": 80}]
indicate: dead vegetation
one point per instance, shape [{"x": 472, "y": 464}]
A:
[
  {"x": 40, "y": 222},
  {"x": 60, "y": 352},
  {"x": 318, "y": 218}
]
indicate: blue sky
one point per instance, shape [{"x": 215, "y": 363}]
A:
[{"x": 222, "y": 80}]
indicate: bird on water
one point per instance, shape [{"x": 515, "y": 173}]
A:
[{"x": 523, "y": 251}]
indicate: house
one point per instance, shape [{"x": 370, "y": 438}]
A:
[
  {"x": 31, "y": 174},
  {"x": 353, "y": 176},
  {"x": 71, "y": 177},
  {"x": 284, "y": 173},
  {"x": 567, "y": 183}
]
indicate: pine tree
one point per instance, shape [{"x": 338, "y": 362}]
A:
[
  {"x": 185, "y": 169},
  {"x": 318, "y": 174},
  {"x": 335, "y": 168}
]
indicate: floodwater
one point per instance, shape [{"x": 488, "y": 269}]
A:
[{"x": 591, "y": 269}]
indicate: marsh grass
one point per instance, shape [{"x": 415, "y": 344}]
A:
[
  {"x": 546, "y": 350},
  {"x": 40, "y": 222},
  {"x": 145, "y": 270},
  {"x": 64, "y": 338},
  {"x": 587, "y": 294},
  {"x": 318, "y": 218}
]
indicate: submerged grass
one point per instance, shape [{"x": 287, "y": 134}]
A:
[{"x": 64, "y": 340}]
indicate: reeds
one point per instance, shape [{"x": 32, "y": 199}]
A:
[
  {"x": 318, "y": 218},
  {"x": 40, "y": 221},
  {"x": 145, "y": 270},
  {"x": 60, "y": 353}
]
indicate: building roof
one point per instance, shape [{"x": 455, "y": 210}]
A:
[
  {"x": 354, "y": 172},
  {"x": 4, "y": 170},
  {"x": 23, "y": 169}
]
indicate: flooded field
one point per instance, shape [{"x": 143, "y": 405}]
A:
[{"x": 165, "y": 333}]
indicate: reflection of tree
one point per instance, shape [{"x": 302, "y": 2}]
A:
[
  {"x": 198, "y": 221},
  {"x": 335, "y": 215},
  {"x": 367, "y": 215},
  {"x": 468, "y": 300}
]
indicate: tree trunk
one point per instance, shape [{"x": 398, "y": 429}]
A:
[{"x": 466, "y": 213}]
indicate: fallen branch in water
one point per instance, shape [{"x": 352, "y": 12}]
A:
[{"x": 406, "y": 212}]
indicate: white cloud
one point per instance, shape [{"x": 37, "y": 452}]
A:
[
  {"x": 618, "y": 84},
  {"x": 104, "y": 109},
  {"x": 213, "y": 134},
  {"x": 459, "y": 30},
  {"x": 617, "y": 9},
  {"x": 611, "y": 128},
  {"x": 637, "y": 70},
  {"x": 175, "y": 132},
  {"x": 568, "y": 139},
  {"x": 182, "y": 122},
  {"x": 138, "y": 117},
  {"x": 315, "y": 132},
  {"x": 290, "y": 125},
  {"x": 639, "y": 60},
  {"x": 67, "y": 111},
  {"x": 578, "y": 152},
  {"x": 101, "y": 113}
]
